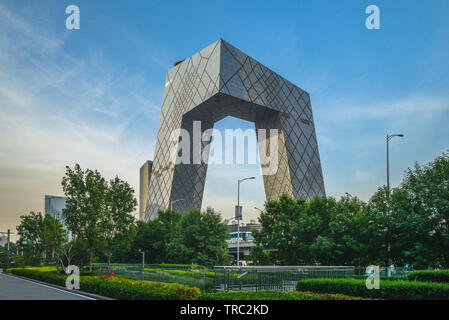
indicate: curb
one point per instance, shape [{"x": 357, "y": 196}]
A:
[{"x": 87, "y": 294}]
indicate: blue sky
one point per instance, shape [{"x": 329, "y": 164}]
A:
[{"x": 93, "y": 95}]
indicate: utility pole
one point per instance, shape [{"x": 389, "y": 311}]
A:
[
  {"x": 388, "y": 157},
  {"x": 8, "y": 254},
  {"x": 238, "y": 216},
  {"x": 389, "y": 137},
  {"x": 143, "y": 263}
]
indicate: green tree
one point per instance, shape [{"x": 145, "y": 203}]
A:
[
  {"x": 259, "y": 256},
  {"x": 141, "y": 241},
  {"x": 74, "y": 252},
  {"x": 421, "y": 204},
  {"x": 154, "y": 237},
  {"x": 322, "y": 230},
  {"x": 30, "y": 231},
  {"x": 312, "y": 231},
  {"x": 285, "y": 229},
  {"x": 86, "y": 193},
  {"x": 201, "y": 239},
  {"x": 120, "y": 203},
  {"x": 383, "y": 216},
  {"x": 409, "y": 224},
  {"x": 122, "y": 246},
  {"x": 352, "y": 230},
  {"x": 53, "y": 238}
]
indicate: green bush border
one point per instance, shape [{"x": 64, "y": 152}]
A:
[
  {"x": 396, "y": 290},
  {"x": 429, "y": 275},
  {"x": 273, "y": 295},
  {"x": 117, "y": 288}
]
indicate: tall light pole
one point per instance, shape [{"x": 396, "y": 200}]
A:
[
  {"x": 389, "y": 137},
  {"x": 238, "y": 213},
  {"x": 143, "y": 263},
  {"x": 8, "y": 240},
  {"x": 171, "y": 203}
]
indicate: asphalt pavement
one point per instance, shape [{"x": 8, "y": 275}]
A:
[{"x": 14, "y": 288}]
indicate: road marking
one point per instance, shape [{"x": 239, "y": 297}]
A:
[{"x": 43, "y": 285}]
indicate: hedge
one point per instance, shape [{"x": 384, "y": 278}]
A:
[
  {"x": 273, "y": 295},
  {"x": 197, "y": 273},
  {"x": 186, "y": 266},
  {"x": 201, "y": 278},
  {"x": 397, "y": 290},
  {"x": 126, "y": 289},
  {"x": 117, "y": 288},
  {"x": 391, "y": 278},
  {"x": 429, "y": 275}
]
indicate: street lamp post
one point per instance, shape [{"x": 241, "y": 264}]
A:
[
  {"x": 8, "y": 253},
  {"x": 239, "y": 217},
  {"x": 143, "y": 263},
  {"x": 389, "y": 137}
]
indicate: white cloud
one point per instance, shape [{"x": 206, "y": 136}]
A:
[
  {"x": 58, "y": 110},
  {"x": 339, "y": 109}
]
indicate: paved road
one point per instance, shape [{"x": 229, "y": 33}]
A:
[{"x": 13, "y": 288}]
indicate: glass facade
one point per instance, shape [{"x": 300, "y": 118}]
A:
[
  {"x": 54, "y": 206},
  {"x": 221, "y": 81}
]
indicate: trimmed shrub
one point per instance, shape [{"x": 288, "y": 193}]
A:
[
  {"x": 118, "y": 288},
  {"x": 328, "y": 296},
  {"x": 391, "y": 278},
  {"x": 250, "y": 295},
  {"x": 186, "y": 266},
  {"x": 398, "y": 290},
  {"x": 199, "y": 278},
  {"x": 126, "y": 289},
  {"x": 429, "y": 275},
  {"x": 45, "y": 275},
  {"x": 273, "y": 295}
]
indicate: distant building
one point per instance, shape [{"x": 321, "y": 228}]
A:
[
  {"x": 246, "y": 238},
  {"x": 54, "y": 206},
  {"x": 145, "y": 175}
]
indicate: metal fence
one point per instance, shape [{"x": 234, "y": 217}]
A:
[
  {"x": 248, "y": 278},
  {"x": 280, "y": 278},
  {"x": 390, "y": 273}
]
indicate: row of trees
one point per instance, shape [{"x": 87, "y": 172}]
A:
[
  {"x": 96, "y": 209},
  {"x": 193, "y": 237},
  {"x": 409, "y": 224},
  {"x": 99, "y": 226},
  {"x": 41, "y": 237}
]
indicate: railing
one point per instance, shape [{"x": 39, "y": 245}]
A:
[
  {"x": 247, "y": 278},
  {"x": 284, "y": 278},
  {"x": 281, "y": 278}
]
